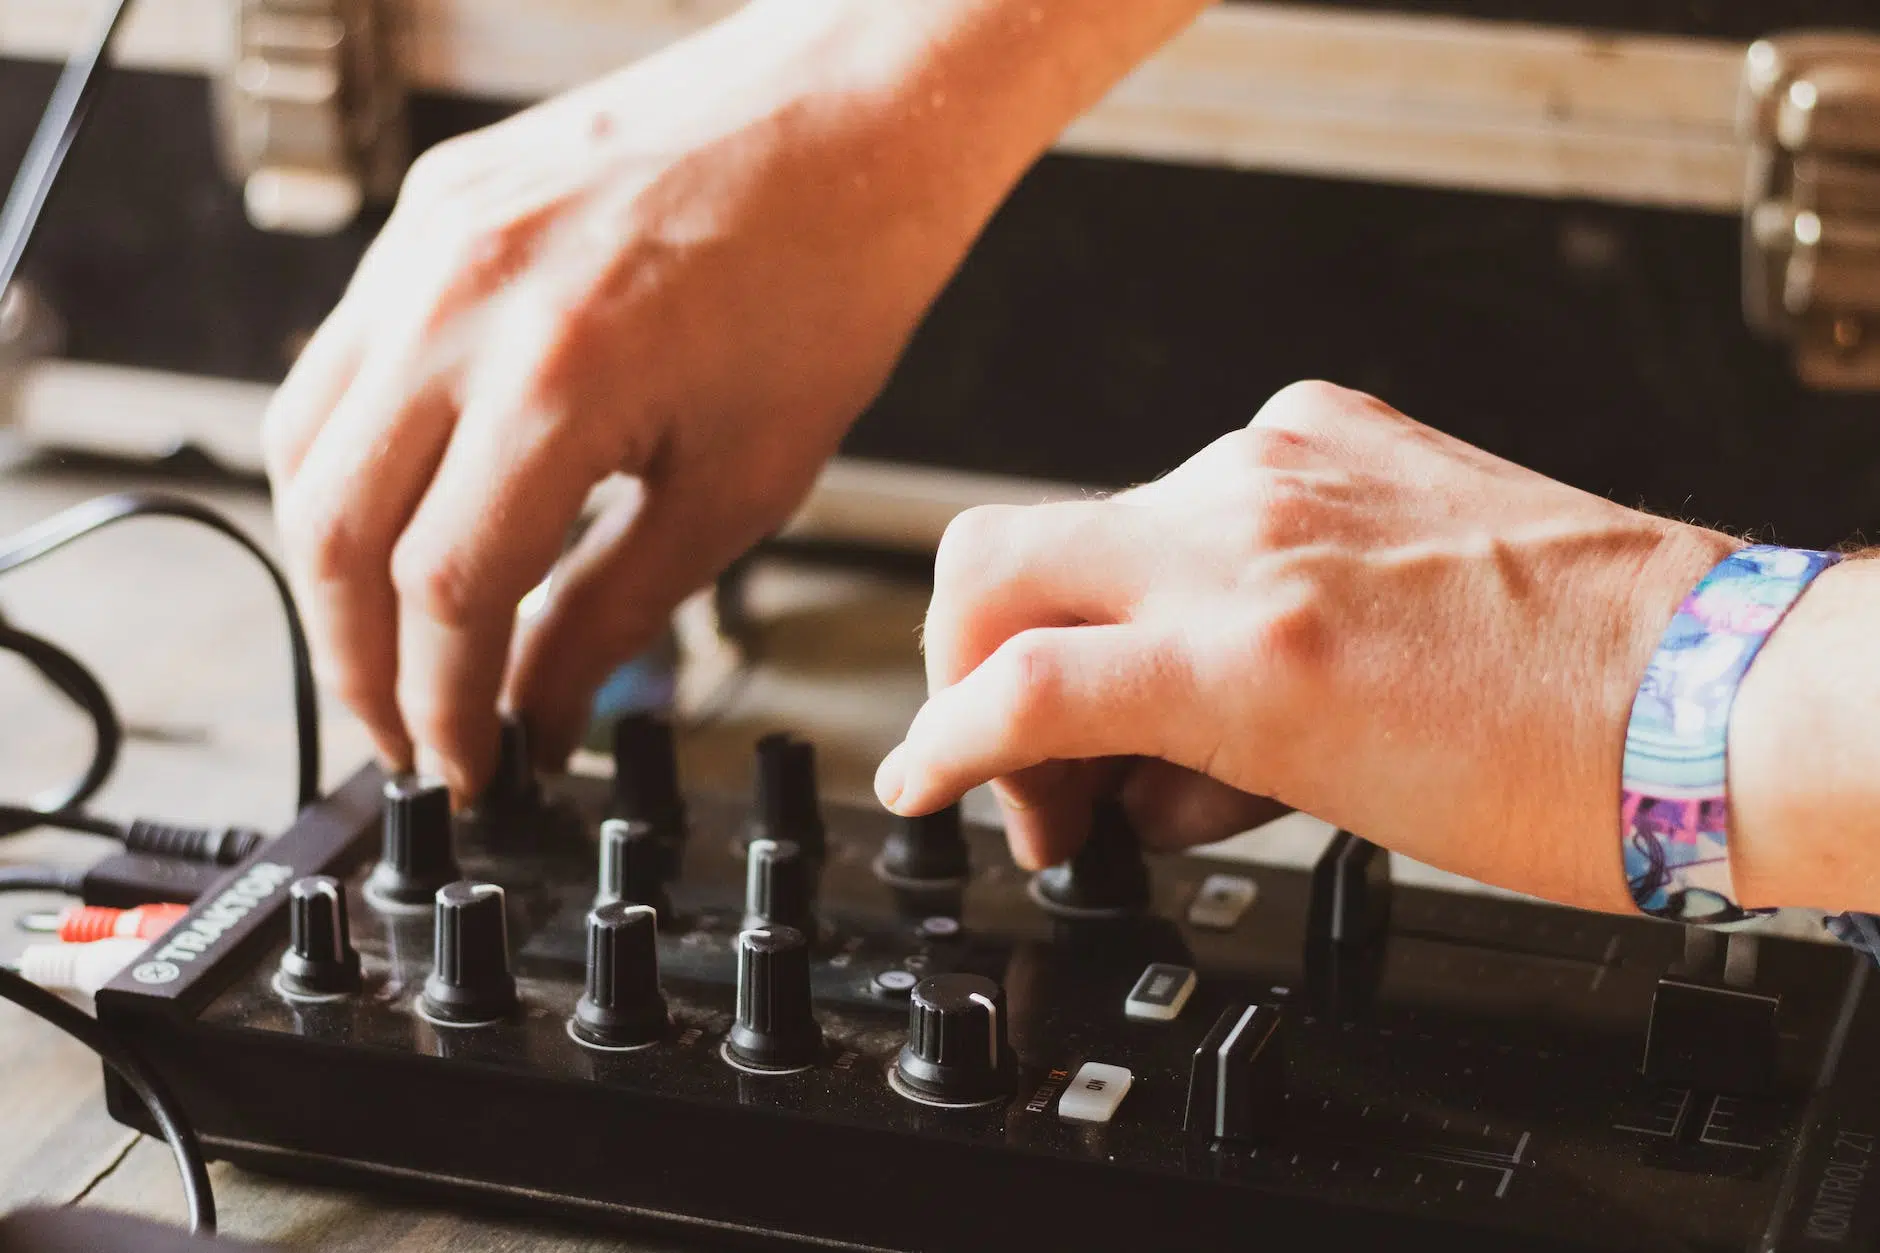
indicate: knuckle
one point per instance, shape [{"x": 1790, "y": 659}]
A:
[
  {"x": 1032, "y": 680},
  {"x": 970, "y": 543},
  {"x": 324, "y": 540},
  {"x": 434, "y": 174},
  {"x": 1304, "y": 404},
  {"x": 437, "y": 586},
  {"x": 1262, "y": 447}
]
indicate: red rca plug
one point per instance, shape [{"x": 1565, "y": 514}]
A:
[{"x": 84, "y": 923}]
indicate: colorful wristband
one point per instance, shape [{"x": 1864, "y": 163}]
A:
[{"x": 1674, "y": 802}]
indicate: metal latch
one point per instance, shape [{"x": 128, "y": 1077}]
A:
[
  {"x": 312, "y": 111},
  {"x": 1811, "y": 211}
]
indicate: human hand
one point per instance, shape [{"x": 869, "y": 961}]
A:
[
  {"x": 696, "y": 272},
  {"x": 1337, "y": 608}
]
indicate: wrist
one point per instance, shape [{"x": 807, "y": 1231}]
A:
[{"x": 1804, "y": 792}]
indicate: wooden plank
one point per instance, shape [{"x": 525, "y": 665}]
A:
[{"x": 1444, "y": 101}]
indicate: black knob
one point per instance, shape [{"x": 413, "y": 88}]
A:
[
  {"x": 416, "y": 858},
  {"x": 787, "y": 804},
  {"x": 928, "y": 851},
  {"x": 514, "y": 785},
  {"x": 320, "y": 959},
  {"x": 470, "y": 980},
  {"x": 646, "y": 774},
  {"x": 1106, "y": 877},
  {"x": 779, "y": 886},
  {"x": 621, "y": 1006},
  {"x": 776, "y": 1024},
  {"x": 956, "y": 1051},
  {"x": 633, "y": 864}
]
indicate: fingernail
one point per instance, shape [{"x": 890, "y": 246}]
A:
[{"x": 891, "y": 776}]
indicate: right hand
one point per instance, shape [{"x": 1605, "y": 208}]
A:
[
  {"x": 696, "y": 272},
  {"x": 1337, "y": 608}
]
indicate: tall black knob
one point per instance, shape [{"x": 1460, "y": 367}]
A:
[
  {"x": 514, "y": 785},
  {"x": 320, "y": 959},
  {"x": 633, "y": 864},
  {"x": 416, "y": 858},
  {"x": 779, "y": 886},
  {"x": 928, "y": 851},
  {"x": 646, "y": 774},
  {"x": 621, "y": 1005},
  {"x": 776, "y": 1024},
  {"x": 470, "y": 980},
  {"x": 1107, "y": 876},
  {"x": 787, "y": 804},
  {"x": 956, "y": 1051}
]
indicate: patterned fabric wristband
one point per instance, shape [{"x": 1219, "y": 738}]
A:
[{"x": 1674, "y": 803}]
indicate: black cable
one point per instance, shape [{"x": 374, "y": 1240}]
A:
[
  {"x": 41, "y": 879},
  {"x": 72, "y": 680},
  {"x": 139, "y": 1078},
  {"x": 81, "y": 520},
  {"x": 59, "y": 126}
]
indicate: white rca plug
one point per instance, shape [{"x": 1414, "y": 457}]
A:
[{"x": 82, "y": 968}]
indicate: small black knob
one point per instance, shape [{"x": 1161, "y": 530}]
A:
[
  {"x": 621, "y": 1005},
  {"x": 776, "y": 1024},
  {"x": 779, "y": 886},
  {"x": 416, "y": 857},
  {"x": 514, "y": 785},
  {"x": 928, "y": 851},
  {"x": 470, "y": 980},
  {"x": 646, "y": 774},
  {"x": 320, "y": 959},
  {"x": 956, "y": 1051},
  {"x": 787, "y": 804},
  {"x": 633, "y": 864},
  {"x": 1106, "y": 877}
]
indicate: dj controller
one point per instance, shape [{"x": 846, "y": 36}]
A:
[{"x": 773, "y": 1018}]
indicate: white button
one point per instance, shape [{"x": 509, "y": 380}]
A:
[
  {"x": 1221, "y": 901},
  {"x": 1094, "y": 1093},
  {"x": 1160, "y": 993}
]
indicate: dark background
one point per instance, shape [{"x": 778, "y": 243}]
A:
[{"x": 1119, "y": 314}]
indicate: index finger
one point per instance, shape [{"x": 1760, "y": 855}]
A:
[{"x": 508, "y": 491}]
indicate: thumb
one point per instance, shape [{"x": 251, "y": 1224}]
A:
[{"x": 1046, "y": 701}]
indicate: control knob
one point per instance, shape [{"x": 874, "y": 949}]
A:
[
  {"x": 1107, "y": 877},
  {"x": 779, "y": 886},
  {"x": 320, "y": 959},
  {"x": 776, "y": 1022},
  {"x": 470, "y": 980},
  {"x": 646, "y": 775},
  {"x": 621, "y": 1005},
  {"x": 924, "y": 852},
  {"x": 787, "y": 804},
  {"x": 415, "y": 859},
  {"x": 956, "y": 1051},
  {"x": 633, "y": 864}
]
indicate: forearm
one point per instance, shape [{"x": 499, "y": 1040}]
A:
[
  {"x": 1805, "y": 753},
  {"x": 941, "y": 103}
]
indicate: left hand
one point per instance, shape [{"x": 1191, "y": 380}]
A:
[{"x": 1337, "y": 608}]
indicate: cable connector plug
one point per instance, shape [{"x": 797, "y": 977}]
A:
[
  {"x": 82, "y": 968},
  {"x": 84, "y": 924},
  {"x": 224, "y": 846}
]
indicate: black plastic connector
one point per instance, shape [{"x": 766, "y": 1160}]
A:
[
  {"x": 125, "y": 880},
  {"x": 222, "y": 846}
]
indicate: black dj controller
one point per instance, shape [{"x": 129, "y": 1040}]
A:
[{"x": 775, "y": 1018}]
